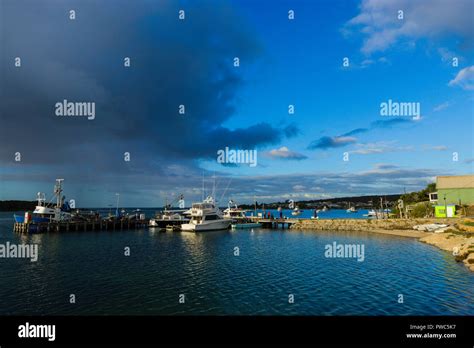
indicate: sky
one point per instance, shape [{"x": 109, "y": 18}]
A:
[{"x": 336, "y": 143}]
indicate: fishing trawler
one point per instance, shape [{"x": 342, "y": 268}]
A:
[
  {"x": 169, "y": 217},
  {"x": 206, "y": 216},
  {"x": 46, "y": 212}
]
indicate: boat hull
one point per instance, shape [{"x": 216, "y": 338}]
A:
[
  {"x": 36, "y": 219},
  {"x": 166, "y": 222},
  {"x": 214, "y": 226},
  {"x": 246, "y": 225}
]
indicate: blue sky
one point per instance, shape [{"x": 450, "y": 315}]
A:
[{"x": 282, "y": 62}]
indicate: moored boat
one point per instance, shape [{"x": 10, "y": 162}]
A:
[
  {"x": 351, "y": 209},
  {"x": 206, "y": 216},
  {"x": 296, "y": 211},
  {"x": 238, "y": 217},
  {"x": 235, "y": 213},
  {"x": 169, "y": 217},
  {"x": 46, "y": 212}
]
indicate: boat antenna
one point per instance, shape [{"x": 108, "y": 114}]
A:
[
  {"x": 225, "y": 191},
  {"x": 214, "y": 186},
  {"x": 255, "y": 202},
  {"x": 213, "y": 194},
  {"x": 202, "y": 192}
]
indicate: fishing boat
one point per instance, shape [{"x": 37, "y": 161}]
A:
[
  {"x": 134, "y": 215},
  {"x": 46, "y": 212},
  {"x": 169, "y": 217},
  {"x": 205, "y": 216}
]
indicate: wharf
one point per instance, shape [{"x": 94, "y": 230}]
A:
[
  {"x": 66, "y": 226},
  {"x": 274, "y": 223}
]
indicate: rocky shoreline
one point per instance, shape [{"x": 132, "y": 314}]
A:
[{"x": 457, "y": 237}]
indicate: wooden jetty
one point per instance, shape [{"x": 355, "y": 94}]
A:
[
  {"x": 121, "y": 224},
  {"x": 66, "y": 226},
  {"x": 274, "y": 223}
]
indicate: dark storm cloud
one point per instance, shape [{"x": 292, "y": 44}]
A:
[
  {"x": 356, "y": 131},
  {"x": 390, "y": 122},
  {"x": 291, "y": 130},
  {"x": 151, "y": 189},
  {"x": 380, "y": 124},
  {"x": 331, "y": 142},
  {"x": 173, "y": 62}
]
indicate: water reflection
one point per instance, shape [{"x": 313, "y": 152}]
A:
[{"x": 203, "y": 266}]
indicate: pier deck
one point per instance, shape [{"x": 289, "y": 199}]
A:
[
  {"x": 97, "y": 225},
  {"x": 274, "y": 223}
]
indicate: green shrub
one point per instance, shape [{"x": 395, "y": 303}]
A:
[{"x": 422, "y": 210}]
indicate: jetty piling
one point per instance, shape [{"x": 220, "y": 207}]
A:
[{"x": 98, "y": 225}]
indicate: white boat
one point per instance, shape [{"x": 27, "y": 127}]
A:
[
  {"x": 371, "y": 213},
  {"x": 238, "y": 217},
  {"x": 234, "y": 212},
  {"x": 378, "y": 214},
  {"x": 351, "y": 210},
  {"x": 206, "y": 216},
  {"x": 296, "y": 211}
]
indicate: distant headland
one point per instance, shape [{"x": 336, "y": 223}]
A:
[{"x": 17, "y": 205}]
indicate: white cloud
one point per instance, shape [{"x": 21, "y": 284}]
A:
[
  {"x": 378, "y": 21},
  {"x": 285, "y": 153},
  {"x": 446, "y": 54},
  {"x": 435, "y": 148},
  {"x": 299, "y": 188},
  {"x": 379, "y": 147},
  {"x": 464, "y": 79},
  {"x": 441, "y": 106}
]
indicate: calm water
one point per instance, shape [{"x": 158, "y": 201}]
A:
[
  {"x": 271, "y": 265},
  {"x": 308, "y": 213}
]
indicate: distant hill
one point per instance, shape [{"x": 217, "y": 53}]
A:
[
  {"x": 341, "y": 202},
  {"x": 17, "y": 205}
]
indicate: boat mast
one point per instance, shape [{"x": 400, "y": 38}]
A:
[
  {"x": 116, "y": 209},
  {"x": 57, "y": 191}
]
